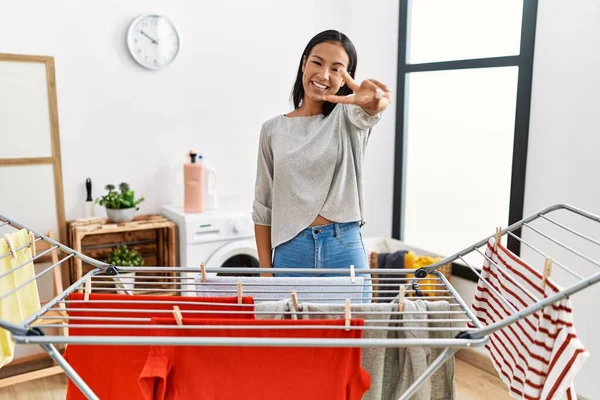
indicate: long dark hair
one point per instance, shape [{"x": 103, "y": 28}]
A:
[{"x": 325, "y": 36}]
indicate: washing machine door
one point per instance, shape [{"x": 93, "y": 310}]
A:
[{"x": 239, "y": 253}]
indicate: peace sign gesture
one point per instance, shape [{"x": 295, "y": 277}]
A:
[{"x": 371, "y": 95}]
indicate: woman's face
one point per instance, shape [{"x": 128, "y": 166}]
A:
[{"x": 321, "y": 70}]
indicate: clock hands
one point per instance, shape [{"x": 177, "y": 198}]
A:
[{"x": 144, "y": 33}]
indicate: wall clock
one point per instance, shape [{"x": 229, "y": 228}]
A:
[{"x": 153, "y": 41}]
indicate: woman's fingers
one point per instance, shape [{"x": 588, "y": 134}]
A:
[
  {"x": 332, "y": 98},
  {"x": 381, "y": 85},
  {"x": 369, "y": 83},
  {"x": 349, "y": 81}
]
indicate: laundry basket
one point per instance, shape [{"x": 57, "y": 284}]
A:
[{"x": 421, "y": 258}]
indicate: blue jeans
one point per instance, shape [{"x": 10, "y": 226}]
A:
[{"x": 335, "y": 245}]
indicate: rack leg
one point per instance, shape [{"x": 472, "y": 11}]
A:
[
  {"x": 71, "y": 373},
  {"x": 438, "y": 362}
]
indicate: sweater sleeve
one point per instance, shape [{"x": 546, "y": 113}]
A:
[
  {"x": 360, "y": 118},
  {"x": 263, "y": 189}
]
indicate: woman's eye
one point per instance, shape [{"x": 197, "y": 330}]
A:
[
  {"x": 335, "y": 70},
  {"x": 316, "y": 62}
]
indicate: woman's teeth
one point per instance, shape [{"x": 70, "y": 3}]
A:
[{"x": 319, "y": 86}]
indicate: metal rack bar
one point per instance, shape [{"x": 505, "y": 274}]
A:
[
  {"x": 21, "y": 286},
  {"x": 489, "y": 285},
  {"x": 71, "y": 373},
  {"x": 246, "y": 341},
  {"x": 570, "y": 230},
  {"x": 17, "y": 250},
  {"x": 596, "y": 263},
  {"x": 458, "y": 311},
  {"x": 517, "y": 225},
  {"x": 554, "y": 261},
  {"x": 538, "y": 306}
]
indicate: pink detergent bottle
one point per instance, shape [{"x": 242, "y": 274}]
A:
[{"x": 193, "y": 190}]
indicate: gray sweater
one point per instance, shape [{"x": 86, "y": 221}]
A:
[{"x": 309, "y": 166}]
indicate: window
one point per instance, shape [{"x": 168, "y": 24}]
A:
[{"x": 464, "y": 88}]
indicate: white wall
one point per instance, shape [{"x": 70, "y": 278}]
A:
[
  {"x": 236, "y": 67},
  {"x": 562, "y": 162}
]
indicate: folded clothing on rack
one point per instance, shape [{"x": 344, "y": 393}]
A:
[
  {"x": 322, "y": 289},
  {"x": 23, "y": 302},
  {"x": 393, "y": 370},
  {"x": 261, "y": 373},
  {"x": 112, "y": 372},
  {"x": 537, "y": 356}
]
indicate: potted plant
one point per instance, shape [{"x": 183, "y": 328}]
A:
[
  {"x": 120, "y": 204},
  {"x": 123, "y": 256}
]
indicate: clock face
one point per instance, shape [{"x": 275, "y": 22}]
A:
[{"x": 153, "y": 41}]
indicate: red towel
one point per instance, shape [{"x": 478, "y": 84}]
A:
[
  {"x": 112, "y": 372},
  {"x": 260, "y": 373}
]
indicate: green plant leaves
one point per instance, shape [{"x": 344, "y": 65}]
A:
[
  {"x": 125, "y": 257},
  {"x": 124, "y": 198}
]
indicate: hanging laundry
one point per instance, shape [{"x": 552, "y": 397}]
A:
[
  {"x": 255, "y": 373},
  {"x": 402, "y": 366},
  {"x": 387, "y": 366},
  {"x": 537, "y": 357},
  {"x": 112, "y": 372},
  {"x": 23, "y": 303}
]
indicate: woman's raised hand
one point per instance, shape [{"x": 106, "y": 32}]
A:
[{"x": 371, "y": 95}]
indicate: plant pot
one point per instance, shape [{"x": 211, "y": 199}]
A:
[
  {"x": 120, "y": 214},
  {"x": 127, "y": 280}
]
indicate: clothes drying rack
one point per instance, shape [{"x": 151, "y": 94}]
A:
[{"x": 425, "y": 284}]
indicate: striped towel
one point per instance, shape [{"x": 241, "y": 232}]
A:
[{"x": 537, "y": 357}]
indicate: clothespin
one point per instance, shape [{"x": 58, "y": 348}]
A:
[
  {"x": 11, "y": 246},
  {"x": 352, "y": 274},
  {"x": 32, "y": 244},
  {"x": 239, "y": 292},
  {"x": 88, "y": 288},
  {"x": 178, "y": 316},
  {"x": 547, "y": 272},
  {"x": 401, "y": 300},
  {"x": 347, "y": 314},
  {"x": 497, "y": 238},
  {"x": 203, "y": 272},
  {"x": 295, "y": 301}
]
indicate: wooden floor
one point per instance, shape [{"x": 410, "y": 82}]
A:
[{"x": 472, "y": 384}]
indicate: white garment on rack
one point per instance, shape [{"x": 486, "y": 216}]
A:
[
  {"x": 538, "y": 356},
  {"x": 332, "y": 289}
]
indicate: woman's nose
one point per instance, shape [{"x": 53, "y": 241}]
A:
[{"x": 324, "y": 74}]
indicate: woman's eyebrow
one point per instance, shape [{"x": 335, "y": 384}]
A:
[{"x": 322, "y": 59}]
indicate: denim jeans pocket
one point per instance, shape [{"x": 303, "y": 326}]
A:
[{"x": 350, "y": 238}]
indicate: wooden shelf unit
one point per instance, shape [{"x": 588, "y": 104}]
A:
[{"x": 154, "y": 236}]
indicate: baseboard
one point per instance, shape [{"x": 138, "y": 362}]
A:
[
  {"x": 477, "y": 359},
  {"x": 29, "y": 376}
]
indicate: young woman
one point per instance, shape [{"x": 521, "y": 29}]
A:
[{"x": 309, "y": 203}]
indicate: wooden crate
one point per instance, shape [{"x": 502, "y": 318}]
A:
[{"x": 154, "y": 236}]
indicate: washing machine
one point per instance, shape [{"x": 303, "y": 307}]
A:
[{"x": 215, "y": 238}]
